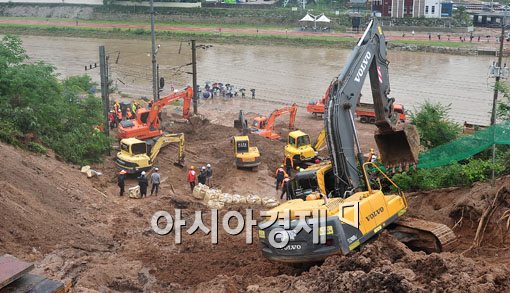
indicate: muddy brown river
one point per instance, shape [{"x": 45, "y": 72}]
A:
[{"x": 280, "y": 74}]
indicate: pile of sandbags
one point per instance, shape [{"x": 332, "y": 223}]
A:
[{"x": 215, "y": 199}]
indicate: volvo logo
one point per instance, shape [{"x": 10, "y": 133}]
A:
[{"x": 363, "y": 67}]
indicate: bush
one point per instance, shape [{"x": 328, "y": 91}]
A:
[
  {"x": 61, "y": 115},
  {"x": 433, "y": 124},
  {"x": 452, "y": 175},
  {"x": 37, "y": 148}
]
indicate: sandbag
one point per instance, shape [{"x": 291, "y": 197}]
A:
[
  {"x": 134, "y": 192},
  {"x": 197, "y": 191},
  {"x": 225, "y": 198},
  {"x": 203, "y": 190},
  {"x": 236, "y": 198},
  {"x": 214, "y": 204},
  {"x": 253, "y": 199},
  {"x": 269, "y": 202},
  {"x": 212, "y": 194},
  {"x": 84, "y": 169}
]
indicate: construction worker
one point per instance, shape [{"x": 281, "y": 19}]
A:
[
  {"x": 280, "y": 175},
  {"x": 111, "y": 119},
  {"x": 121, "y": 181},
  {"x": 156, "y": 180},
  {"x": 372, "y": 157},
  {"x": 143, "y": 183},
  {"x": 134, "y": 107},
  {"x": 119, "y": 117},
  {"x": 192, "y": 177},
  {"x": 284, "y": 186},
  {"x": 129, "y": 115},
  {"x": 116, "y": 106},
  {"x": 202, "y": 177},
  {"x": 208, "y": 174}
]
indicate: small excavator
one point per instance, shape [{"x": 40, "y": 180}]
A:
[
  {"x": 147, "y": 123},
  {"x": 264, "y": 126},
  {"x": 137, "y": 155},
  {"x": 340, "y": 189}
]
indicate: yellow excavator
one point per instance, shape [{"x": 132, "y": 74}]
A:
[
  {"x": 246, "y": 156},
  {"x": 299, "y": 152},
  {"x": 335, "y": 199},
  {"x": 138, "y": 155}
]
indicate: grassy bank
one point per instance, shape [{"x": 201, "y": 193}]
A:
[{"x": 53, "y": 28}]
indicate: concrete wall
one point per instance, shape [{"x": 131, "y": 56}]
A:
[{"x": 86, "y": 2}]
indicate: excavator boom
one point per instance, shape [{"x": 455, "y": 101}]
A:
[
  {"x": 147, "y": 123},
  {"x": 268, "y": 130},
  {"x": 164, "y": 141}
]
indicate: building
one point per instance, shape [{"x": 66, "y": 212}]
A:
[{"x": 411, "y": 8}]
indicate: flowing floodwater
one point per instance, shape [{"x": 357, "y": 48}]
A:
[{"x": 278, "y": 73}]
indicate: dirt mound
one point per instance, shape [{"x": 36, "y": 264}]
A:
[
  {"x": 387, "y": 265},
  {"x": 45, "y": 203}
]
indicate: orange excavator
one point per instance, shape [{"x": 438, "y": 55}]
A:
[
  {"x": 147, "y": 123},
  {"x": 264, "y": 126},
  {"x": 317, "y": 107}
]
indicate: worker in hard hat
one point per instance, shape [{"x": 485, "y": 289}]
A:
[
  {"x": 202, "y": 177},
  {"x": 191, "y": 177},
  {"x": 285, "y": 185},
  {"x": 208, "y": 175},
  {"x": 129, "y": 114},
  {"x": 156, "y": 180},
  {"x": 372, "y": 157},
  {"x": 143, "y": 183},
  {"x": 280, "y": 175},
  {"x": 121, "y": 181}
]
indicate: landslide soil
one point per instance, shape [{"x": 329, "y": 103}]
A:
[{"x": 79, "y": 230}]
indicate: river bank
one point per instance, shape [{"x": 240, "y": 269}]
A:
[{"x": 242, "y": 34}]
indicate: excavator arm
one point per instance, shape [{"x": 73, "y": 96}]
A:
[
  {"x": 367, "y": 58},
  {"x": 292, "y": 110},
  {"x": 164, "y": 141},
  {"x": 321, "y": 141},
  {"x": 185, "y": 94}
]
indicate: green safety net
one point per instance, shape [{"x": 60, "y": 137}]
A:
[{"x": 466, "y": 146}]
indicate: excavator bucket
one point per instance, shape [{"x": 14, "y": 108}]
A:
[
  {"x": 179, "y": 164},
  {"x": 399, "y": 148}
]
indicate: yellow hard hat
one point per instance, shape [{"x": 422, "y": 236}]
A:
[
  {"x": 371, "y": 150},
  {"x": 281, "y": 166},
  {"x": 192, "y": 168}
]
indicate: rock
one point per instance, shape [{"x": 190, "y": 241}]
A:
[{"x": 253, "y": 199}]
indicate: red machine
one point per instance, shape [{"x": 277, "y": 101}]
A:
[
  {"x": 264, "y": 126},
  {"x": 147, "y": 123},
  {"x": 366, "y": 114},
  {"x": 317, "y": 107}
]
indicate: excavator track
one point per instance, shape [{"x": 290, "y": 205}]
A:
[{"x": 423, "y": 235}]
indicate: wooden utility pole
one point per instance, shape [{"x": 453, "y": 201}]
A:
[
  {"x": 103, "y": 71},
  {"x": 194, "y": 73}
]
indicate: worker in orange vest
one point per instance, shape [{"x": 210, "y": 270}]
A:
[
  {"x": 285, "y": 185},
  {"x": 129, "y": 114},
  {"x": 280, "y": 175}
]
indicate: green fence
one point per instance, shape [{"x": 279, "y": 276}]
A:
[{"x": 466, "y": 146}]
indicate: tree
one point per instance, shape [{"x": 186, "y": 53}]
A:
[
  {"x": 35, "y": 107},
  {"x": 433, "y": 124}
]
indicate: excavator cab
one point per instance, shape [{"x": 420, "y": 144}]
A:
[
  {"x": 299, "y": 149},
  {"x": 259, "y": 122}
]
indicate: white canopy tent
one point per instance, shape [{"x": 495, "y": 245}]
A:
[
  {"x": 308, "y": 17},
  {"x": 323, "y": 18}
]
